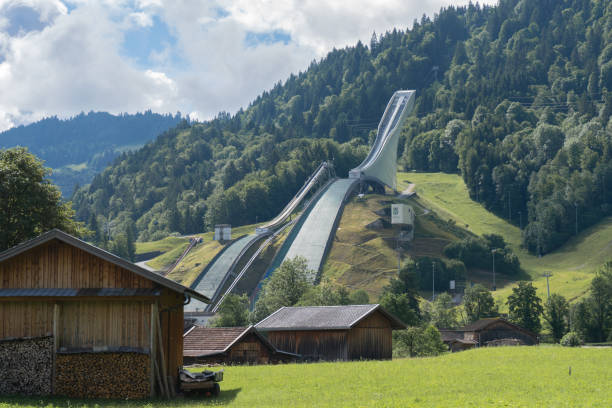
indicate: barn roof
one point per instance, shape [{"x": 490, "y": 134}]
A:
[
  {"x": 107, "y": 256},
  {"x": 482, "y": 324},
  {"x": 448, "y": 335},
  {"x": 208, "y": 341},
  {"x": 323, "y": 318}
]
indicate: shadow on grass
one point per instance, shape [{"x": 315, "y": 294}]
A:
[{"x": 226, "y": 396}]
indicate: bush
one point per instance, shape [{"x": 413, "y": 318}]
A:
[
  {"x": 418, "y": 342},
  {"x": 571, "y": 339}
]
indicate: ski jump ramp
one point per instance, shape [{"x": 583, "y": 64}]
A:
[
  {"x": 381, "y": 163},
  {"x": 315, "y": 235}
]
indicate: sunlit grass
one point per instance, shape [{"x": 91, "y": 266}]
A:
[
  {"x": 571, "y": 266},
  {"x": 489, "y": 377}
]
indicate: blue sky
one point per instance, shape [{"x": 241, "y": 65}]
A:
[{"x": 200, "y": 57}]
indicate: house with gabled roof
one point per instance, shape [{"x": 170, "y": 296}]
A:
[
  {"x": 330, "y": 333},
  {"x": 77, "y": 320},
  {"x": 230, "y": 345},
  {"x": 492, "y": 331}
]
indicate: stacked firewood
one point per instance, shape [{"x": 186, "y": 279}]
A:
[
  {"x": 103, "y": 375},
  {"x": 26, "y": 366}
]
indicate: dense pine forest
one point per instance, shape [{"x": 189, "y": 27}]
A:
[
  {"x": 513, "y": 97},
  {"x": 82, "y": 146}
]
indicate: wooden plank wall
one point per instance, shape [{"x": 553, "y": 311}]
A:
[
  {"x": 249, "y": 350},
  {"x": 59, "y": 265},
  {"x": 371, "y": 338},
  {"x": 98, "y": 324},
  {"x": 171, "y": 316},
  {"x": 327, "y": 345},
  {"x": 31, "y": 319}
]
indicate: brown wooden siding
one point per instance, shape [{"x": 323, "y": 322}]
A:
[
  {"x": 327, "y": 345},
  {"x": 20, "y": 319},
  {"x": 59, "y": 265},
  {"x": 371, "y": 338},
  {"x": 99, "y": 325},
  {"x": 95, "y": 323},
  {"x": 171, "y": 317},
  {"x": 249, "y": 350},
  {"x": 500, "y": 330}
]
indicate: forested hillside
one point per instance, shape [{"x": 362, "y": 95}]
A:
[
  {"x": 514, "y": 97},
  {"x": 82, "y": 146}
]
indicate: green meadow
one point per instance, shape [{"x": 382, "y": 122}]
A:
[
  {"x": 572, "y": 266},
  {"x": 536, "y": 376}
]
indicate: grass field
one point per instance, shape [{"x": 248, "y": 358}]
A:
[
  {"x": 171, "y": 249},
  {"x": 196, "y": 260},
  {"x": 487, "y": 377},
  {"x": 362, "y": 258},
  {"x": 572, "y": 265}
]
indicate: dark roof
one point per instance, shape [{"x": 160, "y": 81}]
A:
[
  {"x": 323, "y": 318},
  {"x": 71, "y": 292},
  {"x": 209, "y": 341},
  {"x": 107, "y": 256},
  {"x": 203, "y": 341},
  {"x": 482, "y": 324},
  {"x": 448, "y": 335},
  {"x": 478, "y": 325},
  {"x": 463, "y": 341}
]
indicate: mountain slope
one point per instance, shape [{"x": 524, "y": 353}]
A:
[
  {"x": 572, "y": 266},
  {"x": 78, "y": 148},
  {"x": 514, "y": 97}
]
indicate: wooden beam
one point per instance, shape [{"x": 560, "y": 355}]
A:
[
  {"x": 56, "y": 321},
  {"x": 161, "y": 354},
  {"x": 152, "y": 348}
]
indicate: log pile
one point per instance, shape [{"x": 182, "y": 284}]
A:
[
  {"x": 103, "y": 375},
  {"x": 26, "y": 366}
]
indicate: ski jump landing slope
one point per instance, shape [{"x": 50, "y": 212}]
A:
[{"x": 313, "y": 239}]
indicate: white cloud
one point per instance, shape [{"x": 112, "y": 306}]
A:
[
  {"x": 75, "y": 61},
  {"x": 142, "y": 19}
]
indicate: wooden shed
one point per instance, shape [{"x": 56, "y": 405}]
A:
[
  {"x": 494, "y": 331},
  {"x": 76, "y": 320},
  {"x": 230, "y": 345},
  {"x": 332, "y": 333}
]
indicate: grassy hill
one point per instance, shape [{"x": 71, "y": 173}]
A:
[
  {"x": 491, "y": 377},
  {"x": 572, "y": 265},
  {"x": 166, "y": 251},
  {"x": 366, "y": 258}
]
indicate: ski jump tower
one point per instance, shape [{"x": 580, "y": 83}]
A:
[{"x": 380, "y": 166}]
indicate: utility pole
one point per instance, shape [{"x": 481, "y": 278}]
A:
[
  {"x": 493, "y": 252},
  {"x": 509, "y": 208},
  {"x": 433, "y": 281},
  {"x": 576, "y": 205},
  {"x": 548, "y": 275},
  {"x": 399, "y": 256}
]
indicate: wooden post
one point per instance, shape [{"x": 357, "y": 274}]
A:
[
  {"x": 56, "y": 317},
  {"x": 161, "y": 355},
  {"x": 152, "y": 348}
]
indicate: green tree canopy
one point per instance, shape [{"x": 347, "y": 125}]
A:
[
  {"x": 556, "y": 315},
  {"x": 284, "y": 288},
  {"x": 525, "y": 307},
  {"x": 233, "y": 311},
  {"x": 30, "y": 203},
  {"x": 478, "y": 303}
]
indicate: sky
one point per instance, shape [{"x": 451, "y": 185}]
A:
[{"x": 199, "y": 57}]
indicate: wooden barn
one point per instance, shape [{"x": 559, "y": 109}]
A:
[
  {"x": 494, "y": 331},
  {"x": 76, "y": 320},
  {"x": 230, "y": 345},
  {"x": 332, "y": 333}
]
